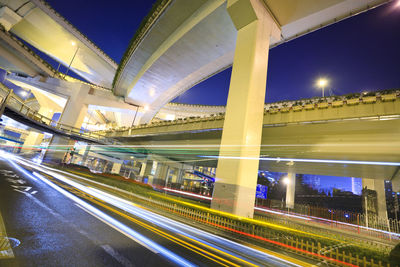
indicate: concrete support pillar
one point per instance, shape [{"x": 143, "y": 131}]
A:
[
  {"x": 116, "y": 168},
  {"x": 73, "y": 114},
  {"x": 57, "y": 148},
  {"x": 396, "y": 185},
  {"x": 290, "y": 190},
  {"x": 161, "y": 173},
  {"x": 236, "y": 176},
  {"x": 180, "y": 174},
  {"x": 75, "y": 109},
  {"x": 379, "y": 187},
  {"x": 31, "y": 142},
  {"x": 145, "y": 171},
  {"x": 173, "y": 173},
  {"x": 85, "y": 155},
  {"x": 34, "y": 138}
]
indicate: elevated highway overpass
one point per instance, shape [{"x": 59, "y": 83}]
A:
[
  {"x": 184, "y": 42},
  {"x": 38, "y": 24},
  {"x": 13, "y": 107},
  {"x": 347, "y": 137}
]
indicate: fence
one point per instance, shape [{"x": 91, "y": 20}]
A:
[
  {"x": 335, "y": 216},
  {"x": 334, "y": 253}
]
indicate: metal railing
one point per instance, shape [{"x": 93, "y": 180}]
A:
[
  {"x": 336, "y": 253},
  {"x": 340, "y": 218},
  {"x": 274, "y": 108},
  {"x": 16, "y": 104}
]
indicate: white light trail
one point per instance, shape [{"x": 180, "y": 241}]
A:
[
  {"x": 129, "y": 207},
  {"x": 186, "y": 193},
  {"x": 381, "y": 163},
  {"x": 169, "y": 224},
  {"x": 309, "y": 218},
  {"x": 137, "y": 237},
  {"x": 144, "y": 241}
]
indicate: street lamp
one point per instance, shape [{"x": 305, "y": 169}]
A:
[
  {"x": 321, "y": 84},
  {"x": 286, "y": 180},
  {"x": 73, "y": 43}
]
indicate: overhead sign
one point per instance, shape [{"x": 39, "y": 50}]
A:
[{"x": 261, "y": 191}]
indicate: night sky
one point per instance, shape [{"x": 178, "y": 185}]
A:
[
  {"x": 361, "y": 53},
  {"x": 358, "y": 54}
]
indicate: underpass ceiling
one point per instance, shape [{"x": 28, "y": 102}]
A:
[
  {"x": 173, "y": 57},
  {"x": 38, "y": 20},
  {"x": 374, "y": 140}
]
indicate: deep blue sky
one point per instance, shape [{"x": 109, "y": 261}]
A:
[{"x": 358, "y": 54}]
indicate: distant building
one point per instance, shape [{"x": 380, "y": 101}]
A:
[
  {"x": 356, "y": 186},
  {"x": 312, "y": 180}
]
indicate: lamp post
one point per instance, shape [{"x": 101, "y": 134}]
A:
[
  {"x": 72, "y": 60},
  {"x": 321, "y": 84}
]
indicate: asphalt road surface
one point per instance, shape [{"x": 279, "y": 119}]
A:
[{"x": 50, "y": 222}]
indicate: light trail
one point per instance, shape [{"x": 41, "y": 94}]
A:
[
  {"x": 194, "y": 234},
  {"x": 109, "y": 199},
  {"x": 137, "y": 237},
  {"x": 381, "y": 163},
  {"x": 144, "y": 241},
  {"x": 293, "y": 215},
  {"x": 180, "y": 228},
  {"x": 307, "y": 217},
  {"x": 300, "y": 216},
  {"x": 186, "y": 193},
  {"x": 281, "y": 213},
  {"x": 161, "y": 221}
]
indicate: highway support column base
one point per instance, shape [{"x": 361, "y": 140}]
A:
[
  {"x": 56, "y": 152},
  {"x": 380, "y": 202},
  {"x": 236, "y": 176},
  {"x": 32, "y": 142},
  {"x": 290, "y": 190},
  {"x": 116, "y": 168}
]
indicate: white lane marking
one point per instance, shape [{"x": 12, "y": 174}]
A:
[
  {"x": 119, "y": 230},
  {"x": 34, "y": 192},
  {"x": 21, "y": 187},
  {"x": 125, "y": 262},
  {"x": 19, "y": 191},
  {"x": 16, "y": 181},
  {"x": 118, "y": 257}
]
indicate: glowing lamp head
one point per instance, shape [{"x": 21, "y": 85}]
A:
[
  {"x": 24, "y": 93},
  {"x": 73, "y": 43},
  {"x": 286, "y": 180},
  {"x": 322, "y": 82},
  {"x": 146, "y": 107}
]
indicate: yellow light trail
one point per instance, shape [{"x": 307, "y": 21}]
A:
[{"x": 176, "y": 240}]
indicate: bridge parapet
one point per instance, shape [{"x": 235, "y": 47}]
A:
[
  {"x": 354, "y": 106},
  {"x": 17, "y": 106}
]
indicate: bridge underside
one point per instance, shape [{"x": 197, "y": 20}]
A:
[
  {"x": 193, "y": 40},
  {"x": 359, "y": 140},
  {"x": 21, "y": 118}
]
